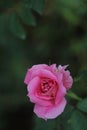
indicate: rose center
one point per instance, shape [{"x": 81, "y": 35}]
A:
[{"x": 49, "y": 87}]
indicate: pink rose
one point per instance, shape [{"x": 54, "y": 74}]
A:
[{"x": 47, "y": 87}]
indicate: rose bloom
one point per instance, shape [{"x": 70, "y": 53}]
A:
[{"x": 47, "y": 86}]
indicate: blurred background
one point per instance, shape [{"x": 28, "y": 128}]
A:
[{"x": 37, "y": 32}]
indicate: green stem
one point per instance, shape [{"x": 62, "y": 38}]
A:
[{"x": 74, "y": 96}]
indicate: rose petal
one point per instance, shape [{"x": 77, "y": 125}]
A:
[
  {"x": 39, "y": 66},
  {"x": 32, "y": 93},
  {"x": 52, "y": 67},
  {"x": 61, "y": 68},
  {"x": 68, "y": 82},
  {"x": 67, "y": 79},
  {"x": 61, "y": 89},
  {"x": 32, "y": 70},
  {"x": 61, "y": 93},
  {"x": 44, "y": 73},
  {"x": 56, "y": 110},
  {"x": 40, "y": 111},
  {"x": 59, "y": 77},
  {"x": 50, "y": 112},
  {"x": 27, "y": 77}
]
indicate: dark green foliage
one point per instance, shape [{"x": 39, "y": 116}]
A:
[
  {"x": 27, "y": 16},
  {"x": 5, "y": 4},
  {"x": 42, "y": 31},
  {"x": 38, "y": 5},
  {"x": 19, "y": 13},
  {"x": 15, "y": 26},
  {"x": 41, "y": 124},
  {"x": 2, "y": 27},
  {"x": 65, "y": 118},
  {"x": 82, "y": 105},
  {"x": 78, "y": 121}
]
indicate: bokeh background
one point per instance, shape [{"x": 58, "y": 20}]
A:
[{"x": 36, "y": 32}]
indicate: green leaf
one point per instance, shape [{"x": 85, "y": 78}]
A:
[
  {"x": 27, "y": 16},
  {"x": 2, "y": 22},
  {"x": 5, "y": 4},
  {"x": 73, "y": 95},
  {"x": 69, "y": 15},
  {"x": 71, "y": 3},
  {"x": 27, "y": 3},
  {"x": 16, "y": 27},
  {"x": 64, "y": 118},
  {"x": 38, "y": 5},
  {"x": 84, "y": 76},
  {"x": 82, "y": 105},
  {"x": 78, "y": 121},
  {"x": 41, "y": 124},
  {"x": 78, "y": 78},
  {"x": 67, "y": 112}
]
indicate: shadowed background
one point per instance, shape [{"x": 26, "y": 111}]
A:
[{"x": 36, "y": 32}]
